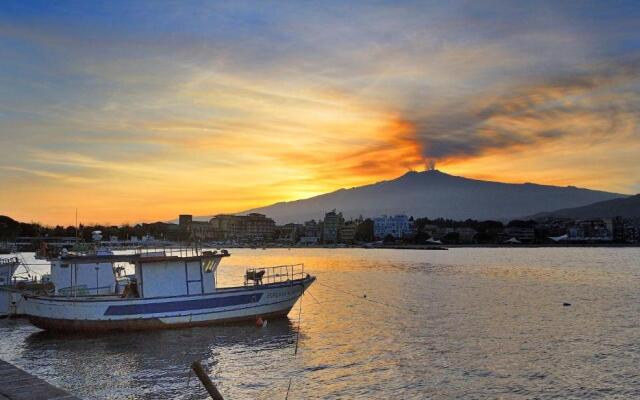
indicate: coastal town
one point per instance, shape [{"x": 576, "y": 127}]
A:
[
  {"x": 334, "y": 230},
  {"x": 257, "y": 200}
]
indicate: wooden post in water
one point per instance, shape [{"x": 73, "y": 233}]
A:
[{"x": 206, "y": 381}]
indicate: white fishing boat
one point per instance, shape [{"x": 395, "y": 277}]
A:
[{"x": 169, "y": 288}]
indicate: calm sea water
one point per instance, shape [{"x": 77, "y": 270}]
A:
[{"x": 464, "y": 323}]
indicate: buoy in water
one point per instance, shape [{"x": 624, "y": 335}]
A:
[
  {"x": 365, "y": 296},
  {"x": 260, "y": 322}
]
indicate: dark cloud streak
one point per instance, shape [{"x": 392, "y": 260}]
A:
[{"x": 525, "y": 114}]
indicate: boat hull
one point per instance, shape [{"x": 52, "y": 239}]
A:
[
  {"x": 10, "y": 302},
  {"x": 65, "y": 325},
  {"x": 223, "y": 307}
]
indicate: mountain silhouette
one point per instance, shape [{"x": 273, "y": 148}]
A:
[
  {"x": 623, "y": 207},
  {"x": 436, "y": 194}
]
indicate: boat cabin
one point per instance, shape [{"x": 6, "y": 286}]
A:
[
  {"x": 161, "y": 273},
  {"x": 71, "y": 275}
]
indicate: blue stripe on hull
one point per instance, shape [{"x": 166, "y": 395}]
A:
[{"x": 184, "y": 305}]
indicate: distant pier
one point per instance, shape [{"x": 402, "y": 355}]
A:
[{"x": 16, "y": 384}]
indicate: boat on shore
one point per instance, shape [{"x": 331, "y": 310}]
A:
[{"x": 169, "y": 288}]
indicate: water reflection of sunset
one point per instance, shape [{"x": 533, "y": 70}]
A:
[{"x": 468, "y": 322}]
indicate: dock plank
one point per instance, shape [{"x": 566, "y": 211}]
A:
[{"x": 16, "y": 384}]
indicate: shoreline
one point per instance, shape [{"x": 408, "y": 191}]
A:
[{"x": 440, "y": 247}]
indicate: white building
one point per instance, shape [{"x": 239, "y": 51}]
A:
[
  {"x": 397, "y": 226},
  {"x": 309, "y": 240}
]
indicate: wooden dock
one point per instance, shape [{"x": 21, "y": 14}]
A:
[{"x": 15, "y": 384}]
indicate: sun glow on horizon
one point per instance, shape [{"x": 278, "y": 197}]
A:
[{"x": 130, "y": 117}]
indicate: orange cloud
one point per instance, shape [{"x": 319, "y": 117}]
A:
[{"x": 133, "y": 127}]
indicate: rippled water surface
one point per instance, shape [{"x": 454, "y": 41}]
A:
[{"x": 463, "y": 323}]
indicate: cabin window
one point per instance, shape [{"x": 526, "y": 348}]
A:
[
  {"x": 64, "y": 265},
  {"x": 208, "y": 264}
]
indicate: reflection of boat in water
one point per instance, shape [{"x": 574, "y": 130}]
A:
[
  {"x": 129, "y": 363},
  {"x": 170, "y": 288}
]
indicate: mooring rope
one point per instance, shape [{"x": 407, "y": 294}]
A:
[
  {"x": 295, "y": 353},
  {"x": 288, "y": 388},
  {"x": 361, "y": 298},
  {"x": 189, "y": 378},
  {"x": 364, "y": 298},
  {"x": 312, "y": 296}
]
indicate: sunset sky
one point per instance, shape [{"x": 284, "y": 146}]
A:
[{"x": 138, "y": 111}]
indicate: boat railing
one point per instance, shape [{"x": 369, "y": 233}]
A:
[
  {"x": 74, "y": 291},
  {"x": 9, "y": 260},
  {"x": 277, "y": 274},
  {"x": 177, "y": 252},
  {"x": 169, "y": 251}
]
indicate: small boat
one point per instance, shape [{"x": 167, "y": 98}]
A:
[{"x": 170, "y": 288}]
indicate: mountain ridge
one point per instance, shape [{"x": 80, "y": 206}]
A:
[
  {"x": 623, "y": 207},
  {"x": 436, "y": 194}
]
